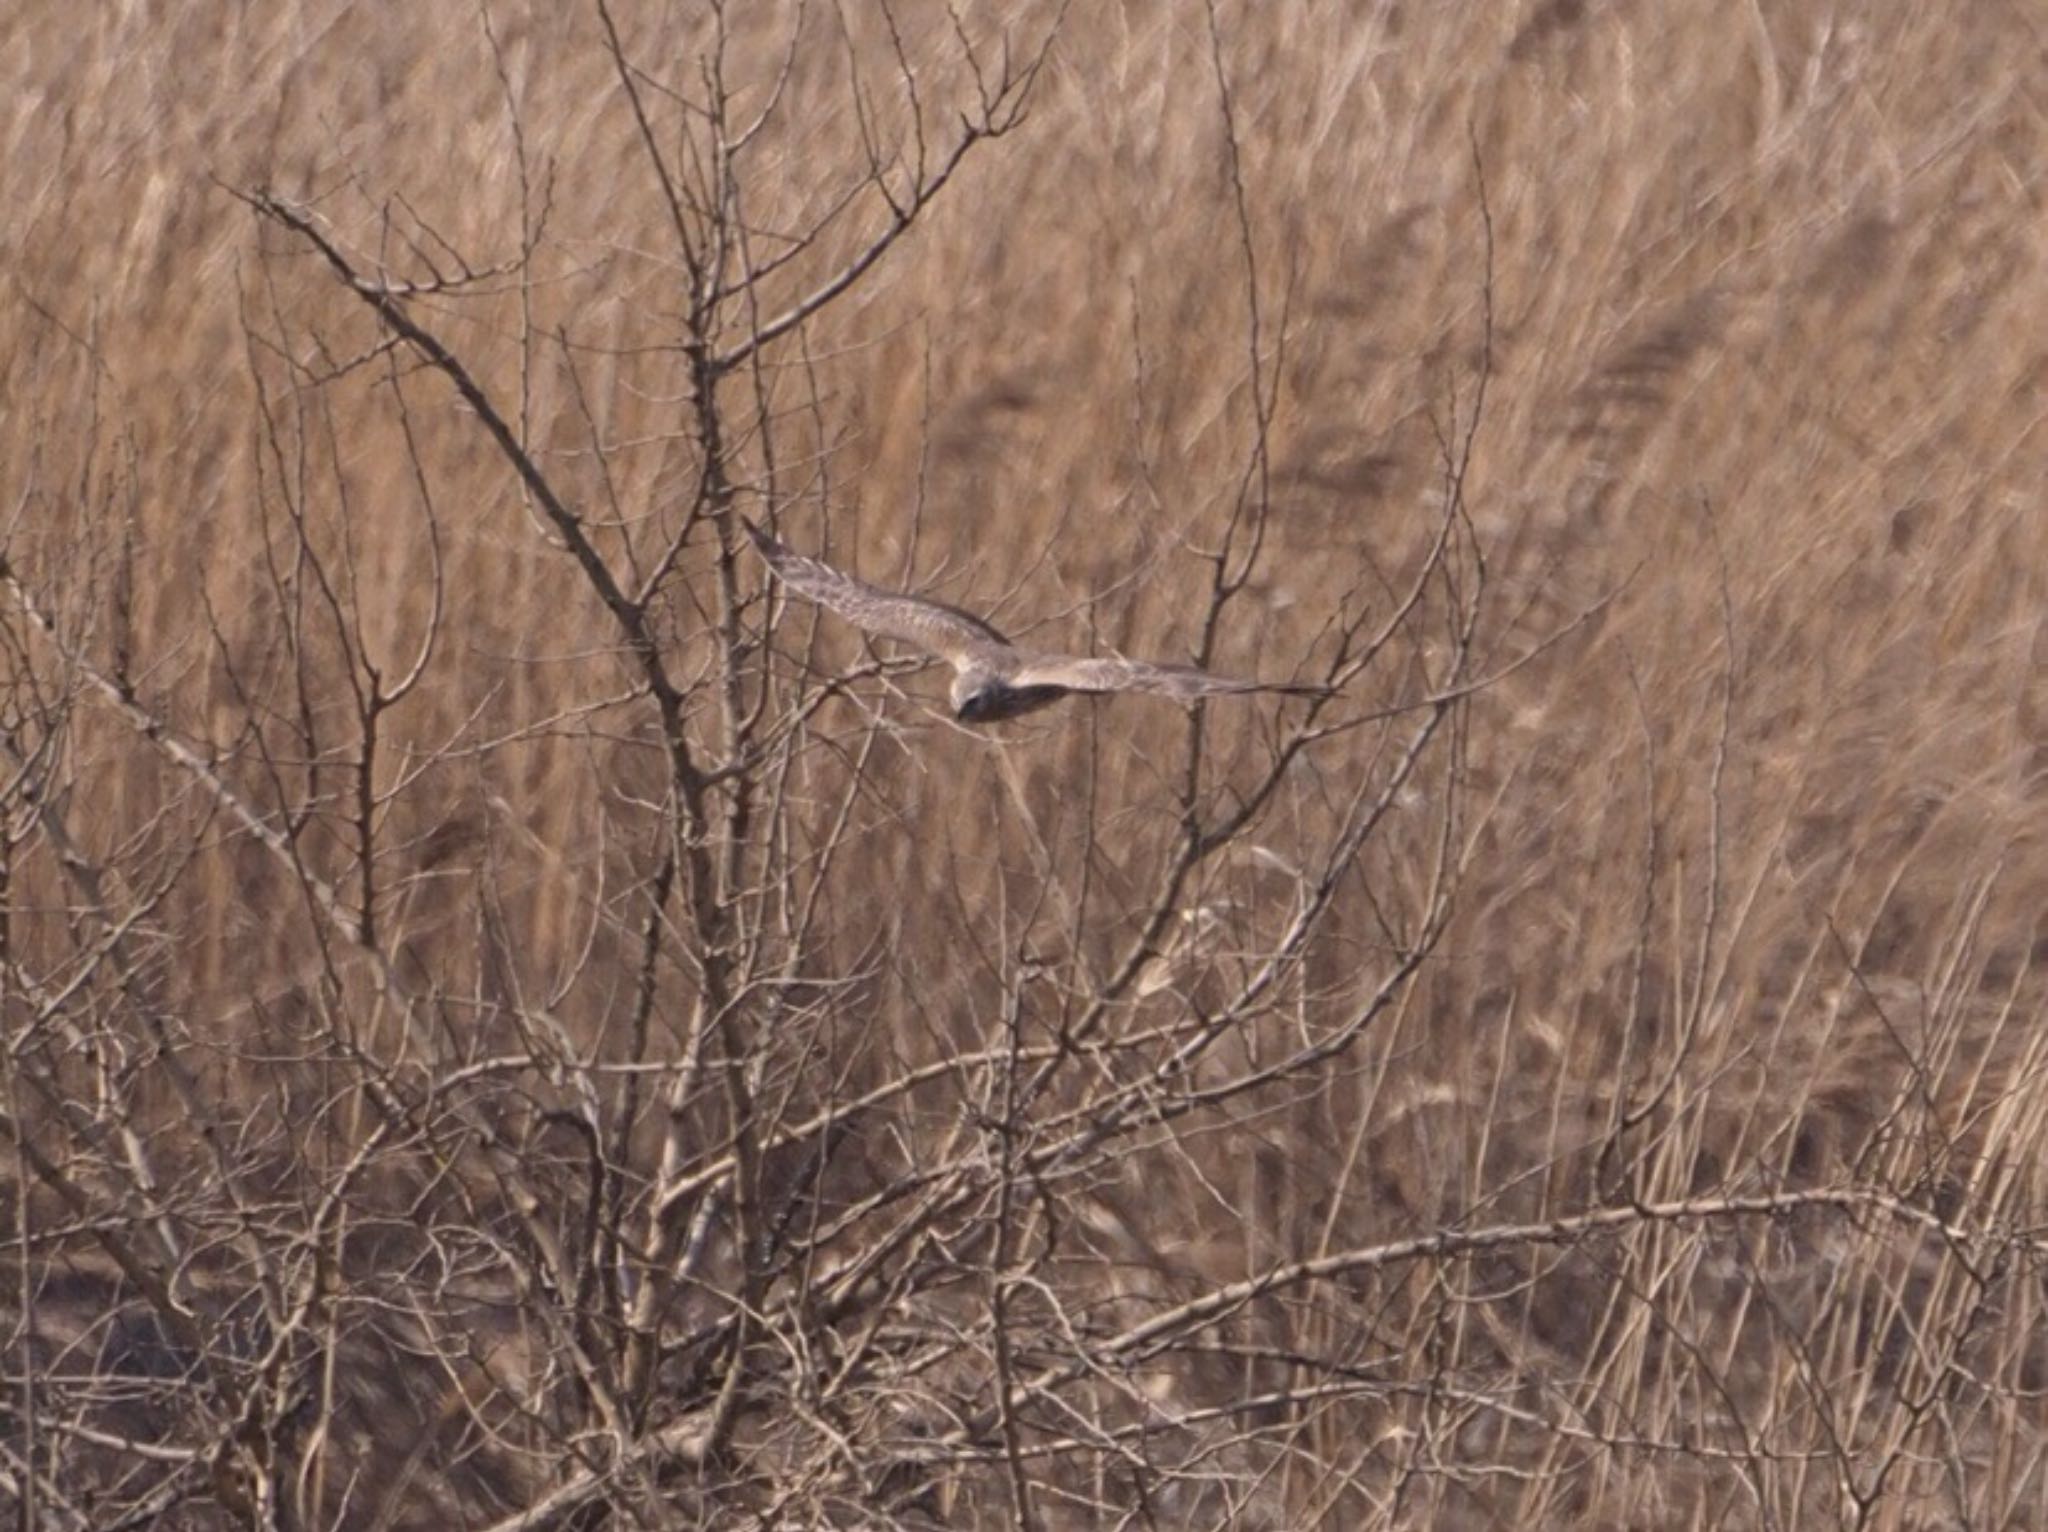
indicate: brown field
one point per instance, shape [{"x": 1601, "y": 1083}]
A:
[{"x": 511, "y": 1023}]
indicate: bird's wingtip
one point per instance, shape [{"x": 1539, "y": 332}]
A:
[{"x": 763, "y": 540}]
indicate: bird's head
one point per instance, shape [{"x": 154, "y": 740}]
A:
[{"x": 978, "y": 697}]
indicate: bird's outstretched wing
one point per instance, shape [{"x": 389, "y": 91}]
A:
[
  {"x": 931, "y": 625},
  {"x": 1112, "y": 673}
]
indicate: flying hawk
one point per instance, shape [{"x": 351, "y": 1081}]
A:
[{"x": 993, "y": 679}]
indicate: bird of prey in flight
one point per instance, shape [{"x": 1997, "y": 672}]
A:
[{"x": 993, "y": 679}]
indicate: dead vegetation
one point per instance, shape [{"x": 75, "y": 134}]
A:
[{"x": 507, "y": 1025}]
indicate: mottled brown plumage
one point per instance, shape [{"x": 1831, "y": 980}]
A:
[{"x": 993, "y": 679}]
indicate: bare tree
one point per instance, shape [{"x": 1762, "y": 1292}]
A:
[{"x": 571, "y": 1072}]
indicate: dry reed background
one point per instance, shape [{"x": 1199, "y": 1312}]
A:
[{"x": 1750, "y": 854}]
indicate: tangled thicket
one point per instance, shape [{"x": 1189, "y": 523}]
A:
[{"x": 507, "y": 1024}]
